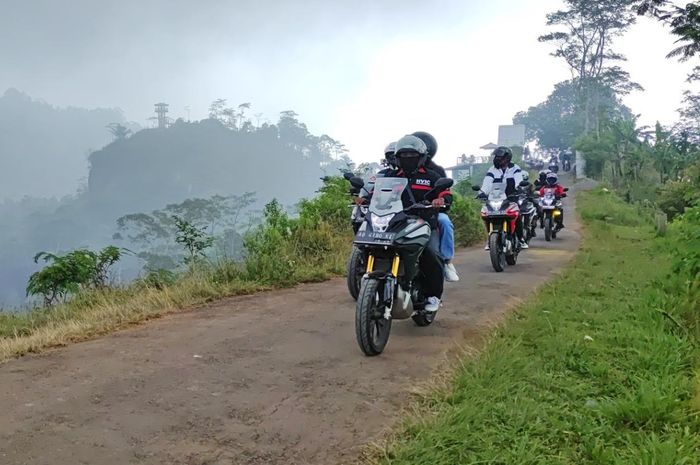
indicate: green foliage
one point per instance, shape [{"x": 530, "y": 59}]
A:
[
  {"x": 602, "y": 204},
  {"x": 157, "y": 279},
  {"x": 464, "y": 214},
  {"x": 284, "y": 250},
  {"x": 675, "y": 197},
  {"x": 683, "y": 287},
  {"x": 193, "y": 238},
  {"x": 68, "y": 274},
  {"x": 603, "y": 377}
]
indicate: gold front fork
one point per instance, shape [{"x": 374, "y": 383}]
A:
[
  {"x": 395, "y": 266},
  {"x": 370, "y": 263}
]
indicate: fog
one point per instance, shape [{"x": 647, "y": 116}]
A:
[{"x": 362, "y": 72}]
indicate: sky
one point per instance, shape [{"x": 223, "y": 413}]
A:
[{"x": 364, "y": 72}]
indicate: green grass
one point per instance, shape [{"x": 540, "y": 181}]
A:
[{"x": 587, "y": 371}]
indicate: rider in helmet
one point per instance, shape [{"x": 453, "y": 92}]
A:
[
  {"x": 506, "y": 175},
  {"x": 552, "y": 181},
  {"x": 411, "y": 158},
  {"x": 390, "y": 155},
  {"x": 447, "y": 229}
]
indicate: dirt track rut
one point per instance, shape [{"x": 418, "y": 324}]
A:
[{"x": 274, "y": 378}]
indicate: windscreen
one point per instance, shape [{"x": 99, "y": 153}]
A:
[{"x": 386, "y": 199}]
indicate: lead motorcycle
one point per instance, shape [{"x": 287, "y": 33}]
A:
[
  {"x": 501, "y": 214},
  {"x": 392, "y": 239},
  {"x": 551, "y": 207}
]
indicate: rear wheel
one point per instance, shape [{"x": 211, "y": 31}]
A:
[
  {"x": 498, "y": 259},
  {"x": 371, "y": 328},
  {"x": 548, "y": 228},
  {"x": 356, "y": 270},
  {"x": 513, "y": 258}
]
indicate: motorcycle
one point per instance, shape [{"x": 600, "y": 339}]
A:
[
  {"x": 553, "y": 166},
  {"x": 551, "y": 207},
  {"x": 392, "y": 239},
  {"x": 528, "y": 211},
  {"x": 501, "y": 215},
  {"x": 356, "y": 261},
  {"x": 566, "y": 164}
]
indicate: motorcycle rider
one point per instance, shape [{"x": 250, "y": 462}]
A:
[
  {"x": 553, "y": 182},
  {"x": 504, "y": 171},
  {"x": 390, "y": 155},
  {"x": 445, "y": 225},
  {"x": 411, "y": 158}
]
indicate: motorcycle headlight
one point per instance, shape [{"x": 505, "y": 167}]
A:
[
  {"x": 380, "y": 223},
  {"x": 496, "y": 205}
]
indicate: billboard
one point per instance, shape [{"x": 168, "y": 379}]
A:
[{"x": 511, "y": 135}]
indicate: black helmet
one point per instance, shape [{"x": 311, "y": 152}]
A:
[
  {"x": 542, "y": 175},
  {"x": 411, "y": 153},
  {"x": 500, "y": 154},
  {"x": 552, "y": 178},
  {"x": 429, "y": 140}
]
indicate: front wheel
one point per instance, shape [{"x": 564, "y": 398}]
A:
[
  {"x": 371, "y": 328},
  {"x": 356, "y": 270},
  {"x": 498, "y": 258},
  {"x": 548, "y": 228}
]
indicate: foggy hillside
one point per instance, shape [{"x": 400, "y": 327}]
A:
[
  {"x": 212, "y": 156},
  {"x": 225, "y": 154},
  {"x": 44, "y": 148}
]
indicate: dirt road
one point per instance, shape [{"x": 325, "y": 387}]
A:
[{"x": 275, "y": 378}]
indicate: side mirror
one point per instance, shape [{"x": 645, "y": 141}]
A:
[
  {"x": 348, "y": 175},
  {"x": 566, "y": 189},
  {"x": 357, "y": 183},
  {"x": 443, "y": 184},
  {"x": 476, "y": 188},
  {"x": 563, "y": 195},
  {"x": 524, "y": 183}
]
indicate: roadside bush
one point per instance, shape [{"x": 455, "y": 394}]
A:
[
  {"x": 602, "y": 204},
  {"x": 675, "y": 197},
  {"x": 465, "y": 216},
  {"x": 68, "y": 274}
]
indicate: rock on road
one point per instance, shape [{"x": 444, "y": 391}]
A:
[{"x": 273, "y": 378}]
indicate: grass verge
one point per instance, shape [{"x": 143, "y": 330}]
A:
[{"x": 594, "y": 368}]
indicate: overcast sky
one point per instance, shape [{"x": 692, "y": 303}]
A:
[{"x": 363, "y": 73}]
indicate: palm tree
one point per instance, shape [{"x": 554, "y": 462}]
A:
[{"x": 118, "y": 131}]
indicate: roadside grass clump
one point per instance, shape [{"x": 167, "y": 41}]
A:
[{"x": 594, "y": 368}]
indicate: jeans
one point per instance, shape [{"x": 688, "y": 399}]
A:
[{"x": 447, "y": 236}]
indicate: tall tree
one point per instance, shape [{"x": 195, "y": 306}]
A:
[
  {"x": 684, "y": 23},
  {"x": 584, "y": 37}
]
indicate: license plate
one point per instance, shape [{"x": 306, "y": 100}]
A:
[{"x": 374, "y": 236}]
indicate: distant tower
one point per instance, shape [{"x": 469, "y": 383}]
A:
[{"x": 162, "y": 112}]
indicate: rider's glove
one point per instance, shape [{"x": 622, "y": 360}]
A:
[{"x": 439, "y": 202}]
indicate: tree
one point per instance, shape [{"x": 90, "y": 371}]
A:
[
  {"x": 194, "y": 238},
  {"x": 684, "y": 23},
  {"x": 156, "y": 234},
  {"x": 68, "y": 274},
  {"x": 586, "y": 31},
  {"x": 118, "y": 131}
]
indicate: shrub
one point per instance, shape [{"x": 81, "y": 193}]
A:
[
  {"x": 465, "y": 216},
  {"x": 675, "y": 197},
  {"x": 68, "y": 274}
]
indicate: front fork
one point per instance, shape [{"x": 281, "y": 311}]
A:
[{"x": 389, "y": 283}]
